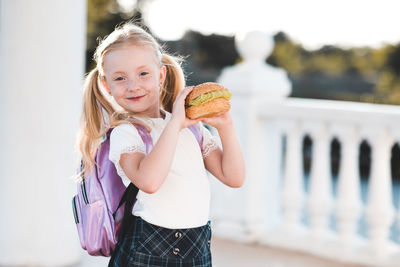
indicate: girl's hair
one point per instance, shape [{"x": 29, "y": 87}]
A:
[{"x": 99, "y": 114}]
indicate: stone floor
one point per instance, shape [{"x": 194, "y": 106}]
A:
[{"x": 233, "y": 254}]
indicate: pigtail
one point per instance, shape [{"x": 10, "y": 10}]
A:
[
  {"x": 94, "y": 124},
  {"x": 173, "y": 83}
]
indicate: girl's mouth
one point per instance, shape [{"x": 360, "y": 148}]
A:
[{"x": 135, "y": 98}]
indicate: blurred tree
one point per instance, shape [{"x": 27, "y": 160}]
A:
[
  {"x": 205, "y": 55},
  {"x": 388, "y": 86},
  {"x": 393, "y": 59},
  {"x": 103, "y": 17},
  {"x": 287, "y": 54}
]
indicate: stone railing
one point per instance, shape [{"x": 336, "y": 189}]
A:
[
  {"x": 273, "y": 207},
  {"x": 269, "y": 208}
]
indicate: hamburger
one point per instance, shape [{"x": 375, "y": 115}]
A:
[{"x": 207, "y": 100}]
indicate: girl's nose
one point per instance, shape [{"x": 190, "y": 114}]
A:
[{"x": 132, "y": 84}]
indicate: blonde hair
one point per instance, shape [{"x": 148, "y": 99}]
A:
[{"x": 93, "y": 121}]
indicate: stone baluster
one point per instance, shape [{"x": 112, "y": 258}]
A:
[
  {"x": 348, "y": 204},
  {"x": 379, "y": 210},
  {"x": 293, "y": 190},
  {"x": 319, "y": 202}
]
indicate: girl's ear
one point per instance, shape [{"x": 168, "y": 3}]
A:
[
  {"x": 105, "y": 85},
  {"x": 163, "y": 74}
]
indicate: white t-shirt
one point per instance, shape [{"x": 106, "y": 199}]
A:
[{"x": 183, "y": 199}]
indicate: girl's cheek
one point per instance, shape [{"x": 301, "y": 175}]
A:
[{"x": 120, "y": 89}]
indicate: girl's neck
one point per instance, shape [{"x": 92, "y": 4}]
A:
[{"x": 156, "y": 115}]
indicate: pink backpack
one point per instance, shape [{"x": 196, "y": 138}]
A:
[{"x": 103, "y": 201}]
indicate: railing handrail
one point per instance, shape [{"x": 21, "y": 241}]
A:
[{"x": 331, "y": 110}]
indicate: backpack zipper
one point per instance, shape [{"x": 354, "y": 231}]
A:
[
  {"x": 74, "y": 210},
  {"x": 83, "y": 186}
]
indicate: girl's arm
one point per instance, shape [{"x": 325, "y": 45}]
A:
[
  {"x": 148, "y": 172},
  {"x": 226, "y": 165}
]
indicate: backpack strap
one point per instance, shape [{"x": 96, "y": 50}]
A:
[
  {"x": 146, "y": 137},
  {"x": 129, "y": 196},
  {"x": 132, "y": 190},
  {"x": 197, "y": 133}
]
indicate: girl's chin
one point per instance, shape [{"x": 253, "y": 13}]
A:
[{"x": 134, "y": 108}]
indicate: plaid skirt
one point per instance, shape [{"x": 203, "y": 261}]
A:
[{"x": 146, "y": 244}]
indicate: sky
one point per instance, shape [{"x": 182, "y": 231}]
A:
[{"x": 313, "y": 23}]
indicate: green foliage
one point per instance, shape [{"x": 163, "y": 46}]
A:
[
  {"x": 378, "y": 65},
  {"x": 103, "y": 17}
]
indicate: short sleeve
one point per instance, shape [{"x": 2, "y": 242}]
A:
[
  {"x": 209, "y": 141},
  {"x": 124, "y": 139}
]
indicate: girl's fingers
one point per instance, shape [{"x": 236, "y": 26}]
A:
[
  {"x": 183, "y": 93},
  {"x": 180, "y": 98},
  {"x": 178, "y": 108}
]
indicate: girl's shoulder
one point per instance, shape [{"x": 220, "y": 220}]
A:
[
  {"x": 125, "y": 131},
  {"x": 124, "y": 127}
]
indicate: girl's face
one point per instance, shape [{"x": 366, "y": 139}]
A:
[{"x": 134, "y": 77}]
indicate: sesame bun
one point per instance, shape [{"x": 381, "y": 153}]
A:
[{"x": 207, "y": 100}]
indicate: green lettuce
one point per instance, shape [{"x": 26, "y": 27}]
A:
[{"x": 207, "y": 97}]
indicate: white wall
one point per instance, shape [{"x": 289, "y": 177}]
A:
[{"x": 42, "y": 46}]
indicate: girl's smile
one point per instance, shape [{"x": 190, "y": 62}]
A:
[{"x": 136, "y": 98}]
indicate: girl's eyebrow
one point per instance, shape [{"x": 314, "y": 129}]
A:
[
  {"x": 142, "y": 67},
  {"x": 117, "y": 72},
  {"x": 123, "y": 72}
]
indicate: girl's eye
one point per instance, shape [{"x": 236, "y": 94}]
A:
[
  {"x": 143, "y": 73},
  {"x": 118, "y": 79}
]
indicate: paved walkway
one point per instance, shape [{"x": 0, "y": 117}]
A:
[{"x": 234, "y": 254}]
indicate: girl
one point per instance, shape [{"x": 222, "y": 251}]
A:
[{"x": 146, "y": 86}]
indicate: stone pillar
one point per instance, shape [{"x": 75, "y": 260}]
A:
[
  {"x": 255, "y": 85},
  {"x": 320, "y": 196},
  {"x": 293, "y": 187},
  {"x": 42, "y": 46},
  {"x": 348, "y": 203},
  {"x": 379, "y": 211}
]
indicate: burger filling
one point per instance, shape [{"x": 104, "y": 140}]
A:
[{"x": 207, "y": 97}]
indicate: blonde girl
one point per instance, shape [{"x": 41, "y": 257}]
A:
[{"x": 135, "y": 81}]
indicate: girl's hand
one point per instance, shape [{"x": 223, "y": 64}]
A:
[
  {"x": 220, "y": 121},
  {"x": 178, "y": 109}
]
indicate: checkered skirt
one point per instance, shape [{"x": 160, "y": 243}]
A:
[{"x": 146, "y": 244}]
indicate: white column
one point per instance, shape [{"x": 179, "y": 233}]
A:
[
  {"x": 255, "y": 185},
  {"x": 380, "y": 211},
  {"x": 255, "y": 86},
  {"x": 319, "y": 202},
  {"x": 348, "y": 205},
  {"x": 293, "y": 188},
  {"x": 42, "y": 47}
]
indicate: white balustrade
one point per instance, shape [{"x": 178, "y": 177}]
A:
[
  {"x": 319, "y": 201},
  {"x": 348, "y": 203},
  {"x": 292, "y": 188},
  {"x": 380, "y": 210},
  {"x": 322, "y": 120}
]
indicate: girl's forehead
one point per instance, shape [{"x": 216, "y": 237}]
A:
[{"x": 129, "y": 56}]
